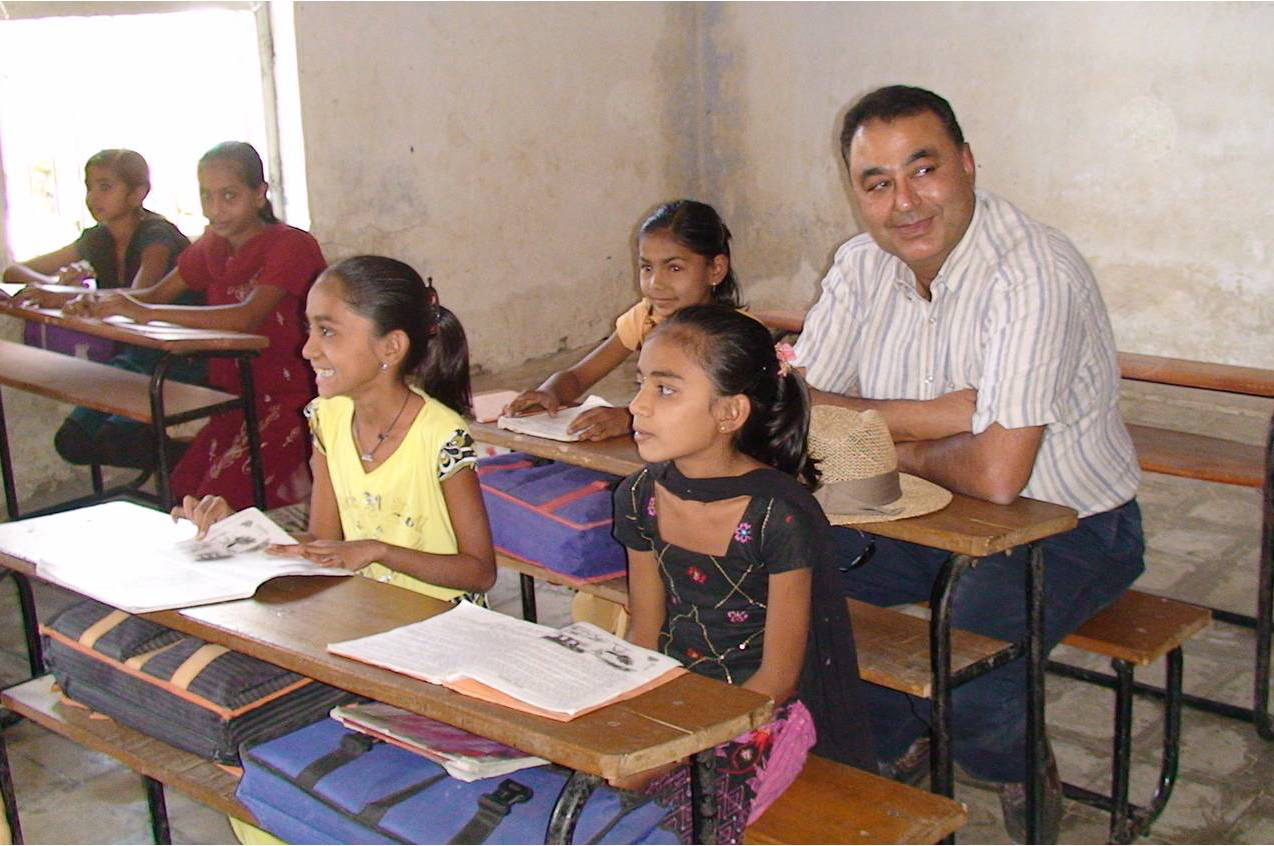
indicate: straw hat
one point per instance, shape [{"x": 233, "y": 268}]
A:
[{"x": 861, "y": 482}]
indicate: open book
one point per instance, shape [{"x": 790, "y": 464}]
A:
[
  {"x": 556, "y": 673},
  {"x": 542, "y": 425},
  {"x": 464, "y": 755},
  {"x": 138, "y": 560}
]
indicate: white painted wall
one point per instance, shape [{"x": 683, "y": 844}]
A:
[
  {"x": 507, "y": 150},
  {"x": 1143, "y": 131}
]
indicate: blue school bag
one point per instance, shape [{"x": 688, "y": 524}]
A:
[
  {"x": 556, "y": 515},
  {"x": 327, "y": 784}
]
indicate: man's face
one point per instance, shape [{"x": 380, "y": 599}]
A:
[{"x": 913, "y": 188}]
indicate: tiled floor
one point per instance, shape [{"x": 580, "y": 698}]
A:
[{"x": 1203, "y": 544}]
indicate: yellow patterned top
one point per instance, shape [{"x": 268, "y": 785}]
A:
[{"x": 399, "y": 502}]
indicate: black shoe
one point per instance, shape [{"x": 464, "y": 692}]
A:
[
  {"x": 1013, "y": 804},
  {"x": 912, "y": 767},
  {"x": 74, "y": 443}
]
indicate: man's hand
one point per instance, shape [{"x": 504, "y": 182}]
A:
[
  {"x": 994, "y": 465},
  {"x": 915, "y": 420}
]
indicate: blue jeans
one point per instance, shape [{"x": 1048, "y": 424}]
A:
[{"x": 1086, "y": 569}]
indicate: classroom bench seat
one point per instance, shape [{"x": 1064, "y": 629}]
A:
[
  {"x": 1136, "y": 631},
  {"x": 157, "y": 762},
  {"x": 100, "y": 386},
  {"x": 833, "y": 803}
]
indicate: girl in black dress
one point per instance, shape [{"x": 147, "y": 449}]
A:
[{"x": 725, "y": 548}]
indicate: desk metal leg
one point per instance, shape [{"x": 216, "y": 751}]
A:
[
  {"x": 30, "y": 623},
  {"x": 1265, "y": 599},
  {"x": 1035, "y": 750},
  {"x": 703, "y": 796},
  {"x": 6, "y": 794},
  {"x": 6, "y": 466},
  {"x": 570, "y": 804},
  {"x": 250, "y": 424},
  {"x": 158, "y": 810},
  {"x": 163, "y": 471},
  {"x": 527, "y": 586},
  {"x": 941, "y": 762}
]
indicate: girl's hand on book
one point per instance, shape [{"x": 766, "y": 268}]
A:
[
  {"x": 598, "y": 424},
  {"x": 347, "y": 555},
  {"x": 202, "y": 512},
  {"x": 530, "y": 401}
]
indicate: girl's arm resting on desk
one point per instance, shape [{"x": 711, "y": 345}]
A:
[
  {"x": 325, "y": 515},
  {"x": 787, "y": 623},
  {"x": 42, "y": 270},
  {"x": 646, "y": 601},
  {"x": 471, "y": 568},
  {"x": 245, "y": 316},
  {"x": 566, "y": 385}
]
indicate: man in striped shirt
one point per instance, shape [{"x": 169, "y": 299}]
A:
[{"x": 981, "y": 337}]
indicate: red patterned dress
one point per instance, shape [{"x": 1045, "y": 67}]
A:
[{"x": 218, "y": 461}]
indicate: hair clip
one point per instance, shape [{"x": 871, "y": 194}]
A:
[{"x": 786, "y": 355}]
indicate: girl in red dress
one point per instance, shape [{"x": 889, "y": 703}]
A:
[{"x": 254, "y": 272}]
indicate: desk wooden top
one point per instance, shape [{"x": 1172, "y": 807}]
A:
[
  {"x": 168, "y": 337},
  {"x": 291, "y": 620},
  {"x": 1231, "y": 378},
  {"x": 967, "y": 526}
]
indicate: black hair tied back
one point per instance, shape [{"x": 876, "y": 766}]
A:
[{"x": 738, "y": 354}]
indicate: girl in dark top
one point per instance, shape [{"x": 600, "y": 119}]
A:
[
  {"x": 724, "y": 543},
  {"x": 130, "y": 247}
]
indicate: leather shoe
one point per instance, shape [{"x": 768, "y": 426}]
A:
[
  {"x": 912, "y": 767},
  {"x": 1013, "y": 804}
]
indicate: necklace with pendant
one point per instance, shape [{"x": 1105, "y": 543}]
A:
[{"x": 369, "y": 455}]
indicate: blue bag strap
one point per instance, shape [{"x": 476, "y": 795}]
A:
[
  {"x": 492, "y": 809},
  {"x": 373, "y": 812},
  {"x": 351, "y": 746}
]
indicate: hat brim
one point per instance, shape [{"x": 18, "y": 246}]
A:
[{"x": 919, "y": 497}]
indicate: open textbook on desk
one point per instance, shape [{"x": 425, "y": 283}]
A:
[
  {"x": 555, "y": 673},
  {"x": 138, "y": 560},
  {"x": 543, "y": 425}
]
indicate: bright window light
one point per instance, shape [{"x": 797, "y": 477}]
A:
[{"x": 169, "y": 86}]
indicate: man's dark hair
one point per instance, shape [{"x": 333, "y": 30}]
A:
[{"x": 895, "y": 101}]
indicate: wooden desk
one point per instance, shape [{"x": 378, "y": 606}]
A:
[
  {"x": 291, "y": 620},
  {"x": 967, "y": 528},
  {"x": 151, "y": 399}
]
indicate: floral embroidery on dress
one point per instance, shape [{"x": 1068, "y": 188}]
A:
[
  {"x": 456, "y": 452},
  {"x": 743, "y": 532},
  {"x": 650, "y": 506},
  {"x": 737, "y": 616},
  {"x": 697, "y": 575}
]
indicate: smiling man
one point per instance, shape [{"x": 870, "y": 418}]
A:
[{"x": 981, "y": 336}]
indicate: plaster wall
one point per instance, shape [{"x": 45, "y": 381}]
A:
[
  {"x": 1141, "y": 130},
  {"x": 507, "y": 150}
]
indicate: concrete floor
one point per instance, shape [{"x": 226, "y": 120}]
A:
[{"x": 1203, "y": 541}]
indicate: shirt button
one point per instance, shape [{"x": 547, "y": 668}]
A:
[
  {"x": 933, "y": 320},
  {"x": 928, "y": 380}
]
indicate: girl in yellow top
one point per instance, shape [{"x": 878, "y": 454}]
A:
[
  {"x": 395, "y": 495},
  {"x": 683, "y": 259}
]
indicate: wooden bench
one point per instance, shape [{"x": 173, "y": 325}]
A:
[
  {"x": 157, "y": 762},
  {"x": 833, "y": 803},
  {"x": 1137, "y": 630},
  {"x": 104, "y": 388},
  {"x": 1214, "y": 459}
]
